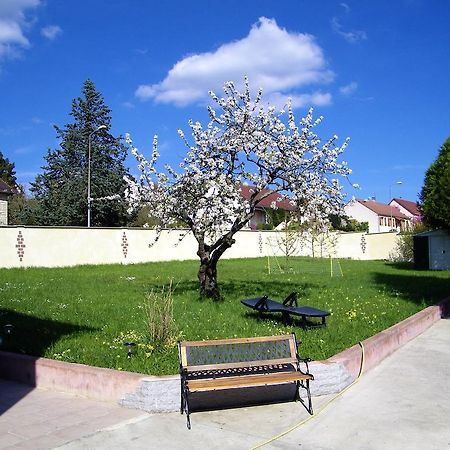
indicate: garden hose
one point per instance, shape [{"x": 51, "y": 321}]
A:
[{"x": 278, "y": 436}]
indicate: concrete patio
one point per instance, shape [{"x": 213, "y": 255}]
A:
[{"x": 403, "y": 402}]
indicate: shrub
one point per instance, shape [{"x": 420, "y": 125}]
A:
[
  {"x": 159, "y": 317},
  {"x": 404, "y": 249}
]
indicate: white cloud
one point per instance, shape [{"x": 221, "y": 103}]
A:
[
  {"x": 278, "y": 61},
  {"x": 317, "y": 98},
  {"x": 352, "y": 36},
  {"x": 51, "y": 32},
  {"x": 349, "y": 89},
  {"x": 128, "y": 105},
  {"x": 346, "y": 7},
  {"x": 13, "y": 25},
  {"x": 23, "y": 150}
]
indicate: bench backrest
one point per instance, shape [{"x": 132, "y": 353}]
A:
[{"x": 241, "y": 352}]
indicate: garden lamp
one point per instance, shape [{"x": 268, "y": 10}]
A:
[
  {"x": 129, "y": 346},
  {"x": 390, "y": 187}
]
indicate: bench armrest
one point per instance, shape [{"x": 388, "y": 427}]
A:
[{"x": 305, "y": 361}]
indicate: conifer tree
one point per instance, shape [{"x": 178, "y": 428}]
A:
[
  {"x": 7, "y": 171},
  {"x": 435, "y": 195},
  {"x": 61, "y": 190}
]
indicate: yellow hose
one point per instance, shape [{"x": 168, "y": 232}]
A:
[{"x": 278, "y": 436}]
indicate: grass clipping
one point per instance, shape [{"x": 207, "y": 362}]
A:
[{"x": 159, "y": 317}]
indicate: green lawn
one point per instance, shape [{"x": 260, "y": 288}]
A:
[{"x": 84, "y": 314}]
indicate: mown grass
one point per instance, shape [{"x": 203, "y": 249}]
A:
[{"x": 84, "y": 314}]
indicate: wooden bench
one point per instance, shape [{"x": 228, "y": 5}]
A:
[{"x": 241, "y": 363}]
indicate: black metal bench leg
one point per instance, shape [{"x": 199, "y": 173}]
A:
[
  {"x": 188, "y": 418},
  {"x": 297, "y": 391},
  {"x": 181, "y": 397},
  {"x": 185, "y": 404},
  {"x": 184, "y": 407},
  {"x": 310, "y": 408}
]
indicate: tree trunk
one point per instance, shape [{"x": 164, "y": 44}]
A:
[
  {"x": 207, "y": 277},
  {"x": 209, "y": 257}
]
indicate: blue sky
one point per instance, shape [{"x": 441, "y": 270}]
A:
[{"x": 376, "y": 70}]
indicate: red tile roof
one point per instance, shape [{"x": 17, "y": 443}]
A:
[
  {"x": 6, "y": 189},
  {"x": 247, "y": 191},
  {"x": 382, "y": 210},
  {"x": 408, "y": 205}
]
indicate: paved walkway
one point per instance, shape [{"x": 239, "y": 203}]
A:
[
  {"x": 404, "y": 402},
  {"x": 41, "y": 419}
]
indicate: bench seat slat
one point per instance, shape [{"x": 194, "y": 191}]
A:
[{"x": 247, "y": 381}]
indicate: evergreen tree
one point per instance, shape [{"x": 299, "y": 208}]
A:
[
  {"x": 61, "y": 190},
  {"x": 435, "y": 195},
  {"x": 7, "y": 172},
  {"x": 23, "y": 210}
]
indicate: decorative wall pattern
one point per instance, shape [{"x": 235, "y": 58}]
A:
[
  {"x": 363, "y": 244},
  {"x": 124, "y": 245},
  {"x": 20, "y": 246}
]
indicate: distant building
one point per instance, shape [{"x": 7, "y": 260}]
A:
[
  {"x": 261, "y": 216},
  {"x": 5, "y": 192},
  {"x": 408, "y": 208},
  {"x": 380, "y": 217}
]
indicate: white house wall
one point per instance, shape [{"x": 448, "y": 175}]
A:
[
  {"x": 401, "y": 209},
  {"x": 3, "y": 212},
  {"x": 359, "y": 212}
]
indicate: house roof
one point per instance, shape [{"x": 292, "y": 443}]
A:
[
  {"x": 382, "y": 209},
  {"x": 6, "y": 189},
  {"x": 247, "y": 191},
  {"x": 434, "y": 233},
  {"x": 408, "y": 205}
]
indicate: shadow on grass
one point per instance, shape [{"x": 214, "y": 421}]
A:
[
  {"x": 416, "y": 288},
  {"x": 239, "y": 289},
  {"x": 278, "y": 318},
  {"x": 401, "y": 265},
  {"x": 31, "y": 335}
]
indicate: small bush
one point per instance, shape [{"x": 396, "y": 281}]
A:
[
  {"x": 404, "y": 249},
  {"x": 159, "y": 317}
]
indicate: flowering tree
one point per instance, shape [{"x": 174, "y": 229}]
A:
[{"x": 244, "y": 142}]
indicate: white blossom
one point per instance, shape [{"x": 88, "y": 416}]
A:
[{"x": 245, "y": 141}]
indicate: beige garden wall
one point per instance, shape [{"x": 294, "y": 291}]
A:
[{"x": 64, "y": 246}]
